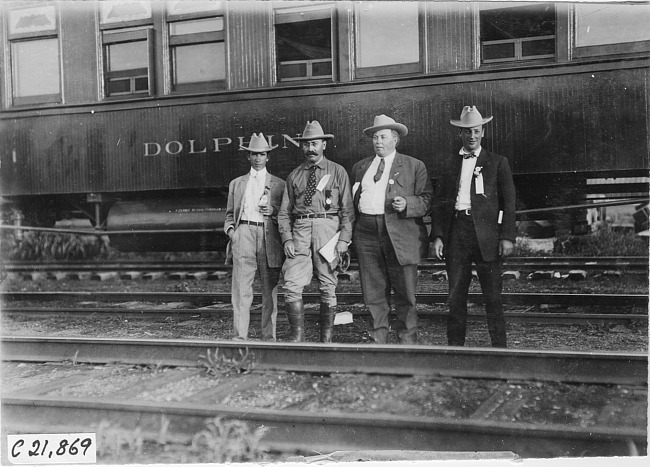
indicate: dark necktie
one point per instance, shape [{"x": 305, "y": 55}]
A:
[
  {"x": 311, "y": 185},
  {"x": 468, "y": 155},
  {"x": 380, "y": 170}
]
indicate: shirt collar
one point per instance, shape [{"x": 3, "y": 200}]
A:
[
  {"x": 320, "y": 164},
  {"x": 388, "y": 158},
  {"x": 462, "y": 151},
  {"x": 255, "y": 173}
]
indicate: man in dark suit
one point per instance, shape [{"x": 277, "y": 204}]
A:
[
  {"x": 392, "y": 192},
  {"x": 473, "y": 221},
  {"x": 252, "y": 225}
]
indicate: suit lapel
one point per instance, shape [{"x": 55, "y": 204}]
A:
[{"x": 241, "y": 192}]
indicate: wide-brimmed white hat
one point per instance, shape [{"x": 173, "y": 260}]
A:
[
  {"x": 383, "y": 122},
  {"x": 258, "y": 143},
  {"x": 470, "y": 117},
  {"x": 313, "y": 130}
]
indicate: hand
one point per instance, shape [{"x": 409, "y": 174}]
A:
[
  {"x": 289, "y": 249},
  {"x": 505, "y": 248},
  {"x": 439, "y": 248},
  {"x": 399, "y": 203},
  {"x": 230, "y": 233},
  {"x": 266, "y": 210},
  {"x": 341, "y": 248}
]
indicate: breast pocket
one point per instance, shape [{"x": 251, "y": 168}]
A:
[{"x": 331, "y": 197}]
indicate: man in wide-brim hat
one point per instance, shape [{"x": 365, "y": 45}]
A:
[
  {"x": 251, "y": 224},
  {"x": 473, "y": 221},
  {"x": 316, "y": 206},
  {"x": 392, "y": 193}
]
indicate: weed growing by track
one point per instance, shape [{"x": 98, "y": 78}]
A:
[
  {"x": 229, "y": 441},
  {"x": 218, "y": 364}
]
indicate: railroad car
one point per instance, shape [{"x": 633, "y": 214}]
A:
[{"x": 133, "y": 112}]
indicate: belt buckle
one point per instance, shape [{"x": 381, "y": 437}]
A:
[{"x": 467, "y": 212}]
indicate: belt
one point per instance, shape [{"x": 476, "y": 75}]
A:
[
  {"x": 371, "y": 215},
  {"x": 259, "y": 224},
  {"x": 316, "y": 215},
  {"x": 467, "y": 212}
]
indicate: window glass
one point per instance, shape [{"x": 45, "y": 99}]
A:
[
  {"x": 199, "y": 63},
  {"x": 35, "y": 67},
  {"x": 198, "y": 54},
  {"x": 611, "y": 24},
  {"x": 196, "y": 26},
  {"x": 388, "y": 34},
  {"x": 517, "y": 31},
  {"x": 127, "y": 56},
  {"x": 304, "y": 45}
]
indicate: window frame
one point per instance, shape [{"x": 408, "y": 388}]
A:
[
  {"x": 555, "y": 57},
  {"x": 397, "y": 69},
  {"x": 118, "y": 36},
  {"x": 22, "y": 37},
  {"x": 292, "y": 14},
  {"x": 195, "y": 39}
]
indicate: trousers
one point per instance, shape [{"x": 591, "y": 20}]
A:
[
  {"x": 249, "y": 258},
  {"x": 380, "y": 272},
  {"x": 462, "y": 251},
  {"x": 309, "y": 235}
]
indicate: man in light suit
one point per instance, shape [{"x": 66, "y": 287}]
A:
[
  {"x": 392, "y": 192},
  {"x": 473, "y": 221},
  {"x": 251, "y": 223}
]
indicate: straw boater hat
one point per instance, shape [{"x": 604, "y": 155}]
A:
[
  {"x": 470, "y": 117},
  {"x": 257, "y": 144},
  {"x": 382, "y": 122},
  {"x": 313, "y": 130}
]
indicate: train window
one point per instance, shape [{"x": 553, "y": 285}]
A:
[
  {"x": 387, "y": 38},
  {"x": 35, "y": 58},
  {"x": 611, "y": 29},
  {"x": 198, "y": 54},
  {"x": 517, "y": 31},
  {"x": 304, "y": 45},
  {"x": 128, "y": 62}
]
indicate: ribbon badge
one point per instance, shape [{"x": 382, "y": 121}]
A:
[{"x": 478, "y": 176}]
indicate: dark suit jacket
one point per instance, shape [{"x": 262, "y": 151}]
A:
[
  {"x": 406, "y": 229},
  {"x": 499, "y": 196},
  {"x": 236, "y": 191}
]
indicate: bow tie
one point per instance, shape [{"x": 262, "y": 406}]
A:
[{"x": 468, "y": 155}]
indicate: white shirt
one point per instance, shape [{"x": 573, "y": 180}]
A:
[
  {"x": 252, "y": 195},
  {"x": 464, "y": 198},
  {"x": 373, "y": 195}
]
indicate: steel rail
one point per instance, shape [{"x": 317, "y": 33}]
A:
[
  {"x": 207, "y": 298},
  {"x": 289, "y": 430},
  {"x": 188, "y": 313},
  {"x": 529, "y": 365},
  {"x": 546, "y": 262}
]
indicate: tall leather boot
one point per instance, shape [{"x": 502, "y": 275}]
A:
[
  {"x": 296, "y": 316},
  {"x": 326, "y": 322}
]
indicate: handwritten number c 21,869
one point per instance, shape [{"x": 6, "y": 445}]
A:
[{"x": 37, "y": 450}]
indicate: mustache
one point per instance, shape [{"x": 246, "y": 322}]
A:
[{"x": 312, "y": 153}]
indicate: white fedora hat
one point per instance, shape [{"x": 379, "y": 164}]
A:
[
  {"x": 258, "y": 143},
  {"x": 383, "y": 122},
  {"x": 313, "y": 130},
  {"x": 470, "y": 117}
]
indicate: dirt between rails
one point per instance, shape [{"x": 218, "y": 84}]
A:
[
  {"x": 632, "y": 336},
  {"x": 517, "y": 402},
  {"x": 547, "y": 403}
]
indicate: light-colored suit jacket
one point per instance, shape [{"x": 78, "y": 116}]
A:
[
  {"x": 236, "y": 191},
  {"x": 406, "y": 229}
]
